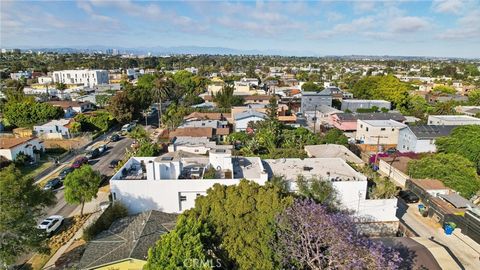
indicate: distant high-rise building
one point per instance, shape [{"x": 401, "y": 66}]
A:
[
  {"x": 114, "y": 52},
  {"x": 109, "y": 51}
]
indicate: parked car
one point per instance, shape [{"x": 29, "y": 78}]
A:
[
  {"x": 63, "y": 174},
  {"x": 408, "y": 196},
  {"x": 114, "y": 163},
  {"x": 95, "y": 153},
  {"x": 53, "y": 184},
  {"x": 79, "y": 162},
  {"x": 51, "y": 224},
  {"x": 115, "y": 137},
  {"x": 127, "y": 128},
  {"x": 103, "y": 148}
]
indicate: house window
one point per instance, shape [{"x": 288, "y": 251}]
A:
[
  {"x": 114, "y": 196},
  {"x": 183, "y": 198},
  {"x": 393, "y": 129},
  {"x": 366, "y": 128},
  {"x": 382, "y": 129},
  {"x": 361, "y": 126}
]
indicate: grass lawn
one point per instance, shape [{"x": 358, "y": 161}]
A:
[{"x": 33, "y": 170}]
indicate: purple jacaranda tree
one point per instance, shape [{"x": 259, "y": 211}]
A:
[{"x": 309, "y": 236}]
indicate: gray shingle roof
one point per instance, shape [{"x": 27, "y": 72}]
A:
[
  {"x": 129, "y": 237},
  {"x": 456, "y": 200},
  {"x": 430, "y": 131}
]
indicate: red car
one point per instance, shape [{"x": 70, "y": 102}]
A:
[{"x": 79, "y": 162}]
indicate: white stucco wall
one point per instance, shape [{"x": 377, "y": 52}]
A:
[
  {"x": 408, "y": 142},
  {"x": 242, "y": 124},
  {"x": 399, "y": 177},
  {"x": 27, "y": 148},
  {"x": 163, "y": 195},
  {"x": 378, "y": 210}
]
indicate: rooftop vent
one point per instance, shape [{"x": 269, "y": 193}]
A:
[
  {"x": 167, "y": 158},
  {"x": 306, "y": 168}
]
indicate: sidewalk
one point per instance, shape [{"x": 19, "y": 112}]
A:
[{"x": 90, "y": 207}]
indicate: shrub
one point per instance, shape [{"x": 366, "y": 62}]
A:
[{"x": 112, "y": 213}]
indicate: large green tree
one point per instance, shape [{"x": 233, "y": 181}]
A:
[
  {"x": 28, "y": 113},
  {"x": 453, "y": 170},
  {"x": 188, "y": 246},
  {"x": 121, "y": 107},
  {"x": 240, "y": 221},
  {"x": 82, "y": 185},
  {"x": 21, "y": 205},
  {"x": 474, "y": 97},
  {"x": 382, "y": 87},
  {"x": 464, "y": 140},
  {"x": 225, "y": 98}
]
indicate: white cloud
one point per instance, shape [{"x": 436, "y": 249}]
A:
[
  {"x": 468, "y": 27},
  {"x": 362, "y": 6},
  {"x": 448, "y": 6},
  {"x": 356, "y": 25},
  {"x": 408, "y": 24},
  {"x": 334, "y": 16}
]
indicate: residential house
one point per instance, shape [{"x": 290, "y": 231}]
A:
[
  {"x": 193, "y": 132},
  {"x": 378, "y": 132},
  {"x": 421, "y": 138},
  {"x": 348, "y": 121},
  {"x": 333, "y": 151},
  {"x": 257, "y": 99},
  {"x": 126, "y": 243},
  {"x": 72, "y": 107},
  {"x": 468, "y": 110},
  {"x": 321, "y": 115},
  {"x": 172, "y": 182},
  {"x": 54, "y": 129},
  {"x": 10, "y": 147},
  {"x": 216, "y": 85},
  {"x": 311, "y": 100},
  {"x": 21, "y": 74},
  {"x": 350, "y": 184},
  {"x": 452, "y": 120},
  {"x": 354, "y": 104},
  {"x": 242, "y": 119},
  {"x": 195, "y": 116},
  {"x": 195, "y": 145}
]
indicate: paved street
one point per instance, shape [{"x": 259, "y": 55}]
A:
[{"x": 116, "y": 150}]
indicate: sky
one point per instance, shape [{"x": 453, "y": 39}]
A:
[{"x": 443, "y": 28}]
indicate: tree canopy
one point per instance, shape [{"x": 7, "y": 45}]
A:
[
  {"x": 455, "y": 171},
  {"x": 27, "y": 113},
  {"x": 82, "y": 185},
  {"x": 464, "y": 140},
  {"x": 22, "y": 203},
  {"x": 386, "y": 87},
  {"x": 226, "y": 99},
  {"x": 232, "y": 223},
  {"x": 309, "y": 236},
  {"x": 311, "y": 87}
]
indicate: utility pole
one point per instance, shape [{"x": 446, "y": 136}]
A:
[
  {"x": 378, "y": 146},
  {"x": 315, "y": 120}
]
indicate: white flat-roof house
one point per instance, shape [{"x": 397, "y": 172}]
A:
[
  {"x": 195, "y": 145},
  {"x": 86, "y": 77},
  {"x": 54, "y": 129},
  {"x": 452, "y": 120},
  {"x": 10, "y": 147},
  {"x": 170, "y": 183},
  {"x": 351, "y": 186},
  {"x": 378, "y": 131}
]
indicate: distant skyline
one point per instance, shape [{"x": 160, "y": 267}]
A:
[{"x": 443, "y": 28}]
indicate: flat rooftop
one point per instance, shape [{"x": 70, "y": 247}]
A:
[
  {"x": 384, "y": 123},
  {"x": 334, "y": 169},
  {"x": 332, "y": 151},
  {"x": 455, "y": 117}
]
